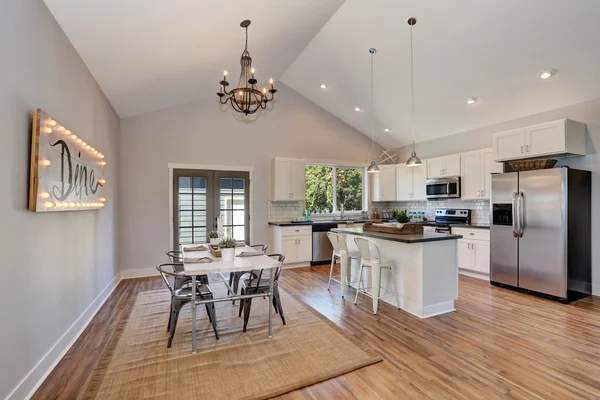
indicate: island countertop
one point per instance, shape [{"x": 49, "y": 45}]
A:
[{"x": 415, "y": 238}]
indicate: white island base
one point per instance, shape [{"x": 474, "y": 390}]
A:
[{"x": 426, "y": 273}]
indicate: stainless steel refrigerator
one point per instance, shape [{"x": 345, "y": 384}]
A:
[{"x": 541, "y": 232}]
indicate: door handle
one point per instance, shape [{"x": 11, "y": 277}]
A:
[
  {"x": 527, "y": 148},
  {"x": 514, "y": 214},
  {"x": 521, "y": 149},
  {"x": 520, "y": 200}
]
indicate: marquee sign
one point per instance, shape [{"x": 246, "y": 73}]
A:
[{"x": 67, "y": 174}]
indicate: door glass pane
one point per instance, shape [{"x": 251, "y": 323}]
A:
[
  {"x": 192, "y": 209},
  {"x": 232, "y": 198}
]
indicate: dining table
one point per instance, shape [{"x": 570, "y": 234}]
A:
[{"x": 196, "y": 262}]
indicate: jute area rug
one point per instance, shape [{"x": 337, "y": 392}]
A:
[{"x": 240, "y": 365}]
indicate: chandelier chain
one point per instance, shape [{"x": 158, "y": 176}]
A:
[
  {"x": 372, "y": 109},
  {"x": 412, "y": 89}
]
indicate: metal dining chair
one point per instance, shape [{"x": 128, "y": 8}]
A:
[
  {"x": 176, "y": 258},
  {"x": 234, "y": 277},
  {"x": 256, "y": 284},
  {"x": 182, "y": 296}
]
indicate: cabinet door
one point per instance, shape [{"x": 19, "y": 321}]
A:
[
  {"x": 387, "y": 182},
  {"x": 289, "y": 248},
  {"x": 482, "y": 257},
  {"x": 280, "y": 181},
  {"x": 304, "y": 249},
  {"x": 548, "y": 138},
  {"x": 509, "y": 145},
  {"x": 298, "y": 179},
  {"x": 466, "y": 257},
  {"x": 452, "y": 165},
  {"x": 488, "y": 166},
  {"x": 404, "y": 182},
  {"x": 435, "y": 167},
  {"x": 470, "y": 178},
  {"x": 419, "y": 178}
]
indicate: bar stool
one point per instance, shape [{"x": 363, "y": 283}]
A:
[
  {"x": 371, "y": 258},
  {"x": 340, "y": 251}
]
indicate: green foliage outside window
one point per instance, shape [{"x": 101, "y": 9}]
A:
[{"x": 319, "y": 188}]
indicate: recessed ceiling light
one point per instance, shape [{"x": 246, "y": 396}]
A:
[
  {"x": 357, "y": 108},
  {"x": 386, "y": 130},
  {"x": 546, "y": 74},
  {"x": 323, "y": 86},
  {"x": 471, "y": 100}
]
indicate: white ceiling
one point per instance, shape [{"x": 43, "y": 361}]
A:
[
  {"x": 148, "y": 55},
  {"x": 152, "y": 54}
]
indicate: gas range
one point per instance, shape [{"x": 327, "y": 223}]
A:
[{"x": 444, "y": 218}]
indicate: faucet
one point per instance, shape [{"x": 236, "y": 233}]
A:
[{"x": 342, "y": 216}]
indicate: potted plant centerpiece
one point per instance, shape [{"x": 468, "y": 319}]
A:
[
  {"x": 227, "y": 247},
  {"x": 213, "y": 236},
  {"x": 401, "y": 217}
]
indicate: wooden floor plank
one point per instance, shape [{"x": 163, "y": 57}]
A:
[{"x": 499, "y": 344}]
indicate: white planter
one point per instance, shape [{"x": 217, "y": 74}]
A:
[
  {"x": 214, "y": 241},
  {"x": 228, "y": 254}
]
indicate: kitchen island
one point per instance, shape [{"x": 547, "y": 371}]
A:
[{"x": 426, "y": 269}]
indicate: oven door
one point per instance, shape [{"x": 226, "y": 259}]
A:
[{"x": 442, "y": 188}]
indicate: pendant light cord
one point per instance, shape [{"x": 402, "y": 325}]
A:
[
  {"x": 372, "y": 108},
  {"x": 412, "y": 90}
]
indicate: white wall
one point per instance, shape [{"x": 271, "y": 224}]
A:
[
  {"x": 201, "y": 133},
  {"x": 587, "y": 112},
  {"x": 53, "y": 265}
]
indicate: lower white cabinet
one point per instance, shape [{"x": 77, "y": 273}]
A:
[
  {"x": 473, "y": 249},
  {"x": 294, "y": 242}
]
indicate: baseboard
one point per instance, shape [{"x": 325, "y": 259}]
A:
[
  {"x": 437, "y": 309},
  {"x": 595, "y": 290},
  {"x": 36, "y": 376},
  {"x": 474, "y": 274},
  {"x": 138, "y": 273}
]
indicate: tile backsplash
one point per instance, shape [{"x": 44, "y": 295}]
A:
[
  {"x": 284, "y": 211},
  {"x": 480, "y": 213}
]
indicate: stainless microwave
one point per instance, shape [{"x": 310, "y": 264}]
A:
[{"x": 442, "y": 188}]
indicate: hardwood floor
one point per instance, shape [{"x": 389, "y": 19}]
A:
[{"x": 498, "y": 344}]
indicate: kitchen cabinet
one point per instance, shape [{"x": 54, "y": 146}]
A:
[
  {"x": 387, "y": 183},
  {"x": 294, "y": 242},
  {"x": 559, "y": 138},
  {"x": 288, "y": 179},
  {"x": 445, "y": 166},
  {"x": 473, "y": 250},
  {"x": 410, "y": 182},
  {"x": 476, "y": 167}
]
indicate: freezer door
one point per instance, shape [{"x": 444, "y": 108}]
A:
[
  {"x": 503, "y": 240},
  {"x": 542, "y": 211}
]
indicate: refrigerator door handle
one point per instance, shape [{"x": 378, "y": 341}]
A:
[
  {"x": 520, "y": 200},
  {"x": 515, "y": 226}
]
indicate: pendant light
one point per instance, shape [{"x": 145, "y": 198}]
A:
[
  {"x": 373, "y": 168},
  {"x": 413, "y": 161}
]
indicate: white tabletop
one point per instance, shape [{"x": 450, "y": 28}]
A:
[{"x": 218, "y": 265}]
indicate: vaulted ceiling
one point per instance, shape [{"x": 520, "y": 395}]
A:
[{"x": 148, "y": 55}]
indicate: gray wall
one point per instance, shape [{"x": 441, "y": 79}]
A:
[
  {"x": 200, "y": 133},
  {"x": 53, "y": 265},
  {"x": 587, "y": 112}
]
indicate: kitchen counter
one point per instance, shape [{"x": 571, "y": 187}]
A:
[{"x": 415, "y": 238}]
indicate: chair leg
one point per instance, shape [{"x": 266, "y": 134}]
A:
[
  {"x": 247, "y": 307},
  {"x": 275, "y": 305},
  {"x": 360, "y": 277},
  {"x": 236, "y": 282},
  {"x": 278, "y": 301},
  {"x": 176, "y": 307},
  {"x": 331, "y": 270},
  {"x": 170, "y": 316},
  {"x": 241, "y": 303},
  {"x": 208, "y": 313},
  {"x": 375, "y": 280},
  {"x": 212, "y": 316}
]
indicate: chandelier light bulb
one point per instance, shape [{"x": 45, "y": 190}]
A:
[
  {"x": 271, "y": 81},
  {"x": 225, "y": 73},
  {"x": 252, "y": 70},
  {"x": 264, "y": 90}
]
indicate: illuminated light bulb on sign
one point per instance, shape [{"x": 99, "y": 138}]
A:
[
  {"x": 77, "y": 204},
  {"x": 83, "y": 144},
  {"x": 74, "y": 137},
  {"x": 48, "y": 204},
  {"x": 67, "y": 132},
  {"x": 71, "y": 205},
  {"x": 101, "y": 155},
  {"x": 47, "y": 130},
  {"x": 45, "y": 163},
  {"x": 88, "y": 147},
  {"x": 102, "y": 199},
  {"x": 65, "y": 204},
  {"x": 44, "y": 195},
  {"x": 52, "y": 122},
  {"x": 102, "y": 181},
  {"x": 58, "y": 205},
  {"x": 79, "y": 141},
  {"x": 102, "y": 163},
  {"x": 61, "y": 128}
]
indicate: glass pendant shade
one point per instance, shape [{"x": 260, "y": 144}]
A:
[
  {"x": 414, "y": 161},
  {"x": 373, "y": 168}
]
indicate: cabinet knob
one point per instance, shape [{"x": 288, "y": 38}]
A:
[{"x": 472, "y": 234}]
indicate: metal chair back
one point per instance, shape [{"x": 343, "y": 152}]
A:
[
  {"x": 165, "y": 274},
  {"x": 338, "y": 242},
  {"x": 260, "y": 247},
  {"x": 368, "y": 249},
  {"x": 175, "y": 256},
  {"x": 256, "y": 274}
]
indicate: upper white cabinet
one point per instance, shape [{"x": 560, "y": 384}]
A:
[
  {"x": 563, "y": 137},
  {"x": 410, "y": 182},
  {"x": 443, "y": 166},
  {"x": 387, "y": 183},
  {"x": 475, "y": 177},
  {"x": 288, "y": 179}
]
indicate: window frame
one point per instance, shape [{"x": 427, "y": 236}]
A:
[{"x": 334, "y": 167}]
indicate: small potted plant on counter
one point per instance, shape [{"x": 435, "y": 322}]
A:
[
  {"x": 227, "y": 247},
  {"x": 401, "y": 217},
  {"x": 213, "y": 236}
]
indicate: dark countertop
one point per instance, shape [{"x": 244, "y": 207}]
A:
[
  {"x": 420, "y": 238},
  {"x": 289, "y": 223}
]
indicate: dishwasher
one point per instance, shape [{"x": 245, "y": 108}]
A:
[{"x": 321, "y": 245}]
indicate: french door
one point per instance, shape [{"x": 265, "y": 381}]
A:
[{"x": 200, "y": 196}]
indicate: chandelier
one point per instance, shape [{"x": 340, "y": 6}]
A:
[{"x": 246, "y": 98}]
